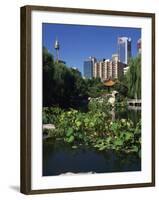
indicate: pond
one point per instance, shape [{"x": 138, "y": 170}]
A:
[{"x": 60, "y": 158}]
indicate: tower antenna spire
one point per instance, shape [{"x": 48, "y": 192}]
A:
[{"x": 57, "y": 48}]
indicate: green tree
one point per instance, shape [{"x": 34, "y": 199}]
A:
[
  {"x": 48, "y": 71},
  {"x": 62, "y": 85},
  {"x": 133, "y": 78},
  {"x": 121, "y": 88}
]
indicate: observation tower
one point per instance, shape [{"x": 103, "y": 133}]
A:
[{"x": 57, "y": 48}]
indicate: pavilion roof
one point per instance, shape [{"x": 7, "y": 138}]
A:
[{"x": 109, "y": 83}]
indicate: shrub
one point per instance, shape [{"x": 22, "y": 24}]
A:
[
  {"x": 50, "y": 115},
  {"x": 100, "y": 104}
]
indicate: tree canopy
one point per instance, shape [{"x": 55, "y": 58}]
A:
[
  {"x": 133, "y": 78},
  {"x": 64, "y": 86}
]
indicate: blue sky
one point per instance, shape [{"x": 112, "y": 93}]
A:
[{"x": 78, "y": 42}]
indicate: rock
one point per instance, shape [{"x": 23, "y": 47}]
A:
[{"x": 48, "y": 126}]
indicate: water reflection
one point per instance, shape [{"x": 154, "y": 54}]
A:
[{"x": 59, "y": 158}]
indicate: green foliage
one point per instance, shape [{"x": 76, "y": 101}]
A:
[
  {"x": 48, "y": 71},
  {"x": 97, "y": 130},
  {"x": 50, "y": 115},
  {"x": 121, "y": 137},
  {"x": 100, "y": 104},
  {"x": 94, "y": 87},
  {"x": 60, "y": 83},
  {"x": 70, "y": 139},
  {"x": 121, "y": 88},
  {"x": 133, "y": 78}
]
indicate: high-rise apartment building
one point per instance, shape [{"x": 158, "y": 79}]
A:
[
  {"x": 97, "y": 69},
  {"x": 101, "y": 69},
  {"x": 124, "y": 49},
  {"x": 115, "y": 62},
  {"x": 109, "y": 69},
  {"x": 117, "y": 67}
]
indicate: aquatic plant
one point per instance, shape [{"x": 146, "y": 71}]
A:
[{"x": 96, "y": 129}]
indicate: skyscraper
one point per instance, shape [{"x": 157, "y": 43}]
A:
[
  {"x": 124, "y": 49},
  {"x": 89, "y": 67}
]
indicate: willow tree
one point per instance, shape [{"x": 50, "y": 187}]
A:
[{"x": 133, "y": 78}]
